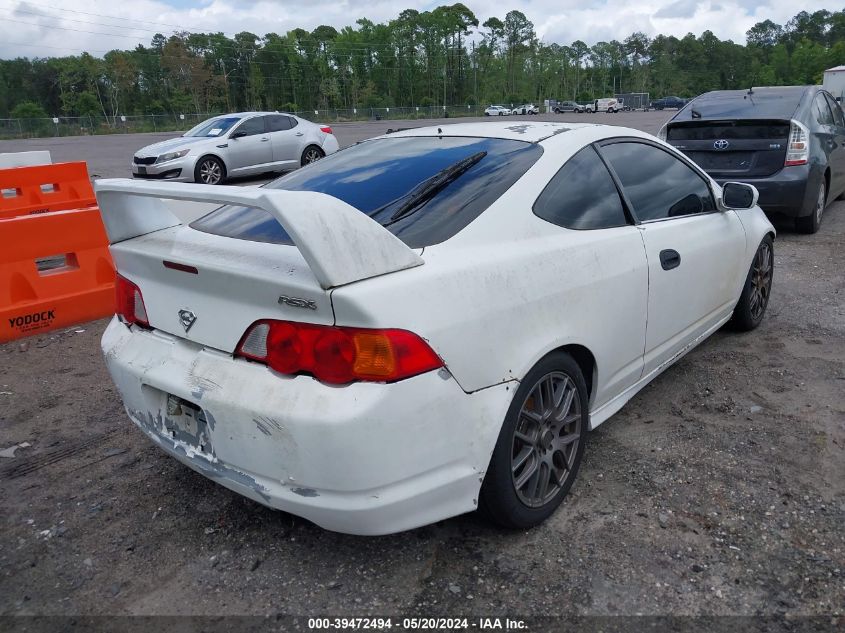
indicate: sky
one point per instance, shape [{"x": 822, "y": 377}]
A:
[{"x": 44, "y": 28}]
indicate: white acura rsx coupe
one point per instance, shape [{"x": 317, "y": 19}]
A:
[
  {"x": 426, "y": 322},
  {"x": 240, "y": 144}
]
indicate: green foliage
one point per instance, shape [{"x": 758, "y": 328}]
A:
[
  {"x": 428, "y": 58},
  {"x": 28, "y": 110}
]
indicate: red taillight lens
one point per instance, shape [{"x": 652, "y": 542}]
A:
[
  {"x": 130, "y": 302},
  {"x": 326, "y": 129},
  {"x": 798, "y": 147},
  {"x": 338, "y": 355}
]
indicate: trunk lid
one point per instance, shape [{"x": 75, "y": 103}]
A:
[
  {"x": 728, "y": 149},
  {"x": 236, "y": 283},
  {"x": 210, "y": 288}
]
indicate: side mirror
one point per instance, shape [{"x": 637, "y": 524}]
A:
[
  {"x": 239, "y": 134},
  {"x": 738, "y": 195}
]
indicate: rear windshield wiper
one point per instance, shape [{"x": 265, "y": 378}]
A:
[{"x": 428, "y": 188}]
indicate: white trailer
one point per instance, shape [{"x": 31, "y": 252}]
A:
[{"x": 834, "y": 82}]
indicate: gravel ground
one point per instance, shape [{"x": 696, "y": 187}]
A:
[{"x": 718, "y": 490}]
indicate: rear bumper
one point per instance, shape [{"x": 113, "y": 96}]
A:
[
  {"x": 790, "y": 192},
  {"x": 330, "y": 144},
  {"x": 366, "y": 458}
]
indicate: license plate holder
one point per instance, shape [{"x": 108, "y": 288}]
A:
[{"x": 187, "y": 423}]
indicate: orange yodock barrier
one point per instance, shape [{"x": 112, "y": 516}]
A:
[
  {"x": 55, "y": 267},
  {"x": 44, "y": 188}
]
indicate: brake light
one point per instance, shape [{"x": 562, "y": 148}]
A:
[
  {"x": 337, "y": 355},
  {"x": 798, "y": 148},
  {"x": 130, "y": 302},
  {"x": 326, "y": 129}
]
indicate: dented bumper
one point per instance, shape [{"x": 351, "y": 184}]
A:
[{"x": 366, "y": 458}]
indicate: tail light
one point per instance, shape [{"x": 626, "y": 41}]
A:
[
  {"x": 326, "y": 129},
  {"x": 798, "y": 148},
  {"x": 337, "y": 355},
  {"x": 130, "y": 302}
]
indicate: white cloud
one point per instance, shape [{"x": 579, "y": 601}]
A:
[{"x": 31, "y": 27}]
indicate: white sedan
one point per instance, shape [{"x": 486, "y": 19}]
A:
[
  {"x": 497, "y": 110},
  {"x": 426, "y": 322},
  {"x": 526, "y": 108},
  {"x": 233, "y": 145}
]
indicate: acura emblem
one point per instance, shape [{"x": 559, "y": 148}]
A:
[
  {"x": 720, "y": 144},
  {"x": 187, "y": 319}
]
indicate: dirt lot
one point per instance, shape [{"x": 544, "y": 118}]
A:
[{"x": 719, "y": 490}]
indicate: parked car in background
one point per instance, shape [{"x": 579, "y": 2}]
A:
[
  {"x": 611, "y": 105},
  {"x": 787, "y": 141},
  {"x": 389, "y": 337},
  {"x": 497, "y": 110},
  {"x": 240, "y": 144},
  {"x": 668, "y": 102},
  {"x": 568, "y": 106},
  {"x": 526, "y": 108}
]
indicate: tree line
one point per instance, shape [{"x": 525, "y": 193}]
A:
[{"x": 438, "y": 57}]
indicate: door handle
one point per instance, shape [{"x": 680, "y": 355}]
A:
[
  {"x": 670, "y": 259},
  {"x": 299, "y": 133},
  {"x": 264, "y": 140}
]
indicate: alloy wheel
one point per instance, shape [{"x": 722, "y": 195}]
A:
[
  {"x": 312, "y": 155},
  {"x": 210, "y": 172},
  {"x": 761, "y": 280},
  {"x": 546, "y": 439}
]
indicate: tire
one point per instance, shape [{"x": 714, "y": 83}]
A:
[
  {"x": 210, "y": 170},
  {"x": 311, "y": 154},
  {"x": 810, "y": 223},
  {"x": 549, "y": 444},
  {"x": 754, "y": 300}
]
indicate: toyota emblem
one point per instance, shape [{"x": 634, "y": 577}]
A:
[{"x": 721, "y": 144}]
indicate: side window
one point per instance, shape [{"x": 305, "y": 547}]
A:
[
  {"x": 293, "y": 122},
  {"x": 252, "y": 126},
  {"x": 581, "y": 195},
  {"x": 658, "y": 184},
  {"x": 278, "y": 123},
  {"x": 838, "y": 115},
  {"x": 822, "y": 110}
]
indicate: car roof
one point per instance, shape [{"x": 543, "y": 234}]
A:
[
  {"x": 531, "y": 132},
  {"x": 243, "y": 115},
  {"x": 758, "y": 103}
]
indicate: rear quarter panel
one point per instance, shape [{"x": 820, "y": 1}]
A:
[{"x": 511, "y": 287}]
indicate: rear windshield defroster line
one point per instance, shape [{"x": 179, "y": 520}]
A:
[{"x": 376, "y": 177}]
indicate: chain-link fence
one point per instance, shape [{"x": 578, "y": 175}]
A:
[{"x": 86, "y": 125}]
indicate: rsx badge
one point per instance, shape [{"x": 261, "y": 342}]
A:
[{"x": 296, "y": 302}]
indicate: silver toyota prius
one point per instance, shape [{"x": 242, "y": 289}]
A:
[{"x": 240, "y": 144}]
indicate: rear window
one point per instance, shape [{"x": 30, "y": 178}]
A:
[
  {"x": 763, "y": 103},
  {"x": 378, "y": 177},
  {"x": 714, "y": 130}
]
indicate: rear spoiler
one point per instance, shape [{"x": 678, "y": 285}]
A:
[{"x": 339, "y": 243}]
